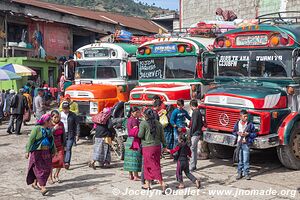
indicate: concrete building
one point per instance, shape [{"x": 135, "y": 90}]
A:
[
  {"x": 168, "y": 21},
  {"x": 193, "y": 11}
]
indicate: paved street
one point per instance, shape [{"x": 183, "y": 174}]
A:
[{"x": 82, "y": 182}]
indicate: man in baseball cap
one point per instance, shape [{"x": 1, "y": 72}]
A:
[
  {"x": 73, "y": 105},
  {"x": 72, "y": 130}
]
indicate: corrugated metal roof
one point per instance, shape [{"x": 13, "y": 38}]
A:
[{"x": 111, "y": 18}]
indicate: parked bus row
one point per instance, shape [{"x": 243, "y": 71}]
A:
[{"x": 250, "y": 68}]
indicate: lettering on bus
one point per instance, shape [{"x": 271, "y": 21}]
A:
[
  {"x": 268, "y": 58},
  {"x": 94, "y": 53},
  {"x": 251, "y": 40},
  {"x": 166, "y": 48},
  {"x": 233, "y": 61},
  {"x": 151, "y": 69}
]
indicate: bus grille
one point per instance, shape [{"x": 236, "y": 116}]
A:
[
  {"x": 83, "y": 107},
  {"x": 220, "y": 119}
]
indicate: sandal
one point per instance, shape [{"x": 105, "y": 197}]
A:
[
  {"x": 36, "y": 187},
  {"x": 92, "y": 165},
  {"x": 57, "y": 180},
  {"x": 146, "y": 188},
  {"x": 180, "y": 187},
  {"x": 136, "y": 178},
  {"x": 67, "y": 166},
  {"x": 44, "y": 192},
  {"x": 164, "y": 187}
]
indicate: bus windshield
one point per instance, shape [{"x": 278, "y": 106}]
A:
[
  {"x": 168, "y": 68},
  {"x": 259, "y": 63},
  {"x": 98, "y": 69}
]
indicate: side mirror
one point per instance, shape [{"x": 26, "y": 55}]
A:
[{"x": 129, "y": 68}]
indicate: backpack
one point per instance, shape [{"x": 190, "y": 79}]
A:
[
  {"x": 101, "y": 118},
  {"x": 163, "y": 119}
]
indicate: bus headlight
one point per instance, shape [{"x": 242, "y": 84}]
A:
[
  {"x": 256, "y": 119},
  {"x": 93, "y": 108},
  {"x": 257, "y": 127}
]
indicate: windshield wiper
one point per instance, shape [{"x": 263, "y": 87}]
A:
[{"x": 279, "y": 59}]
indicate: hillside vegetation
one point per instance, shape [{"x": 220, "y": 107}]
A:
[{"x": 126, "y": 7}]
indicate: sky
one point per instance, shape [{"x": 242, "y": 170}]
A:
[{"x": 171, "y": 4}]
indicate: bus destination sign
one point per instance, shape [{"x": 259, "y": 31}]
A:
[
  {"x": 251, "y": 40},
  {"x": 94, "y": 53},
  {"x": 165, "y": 48}
]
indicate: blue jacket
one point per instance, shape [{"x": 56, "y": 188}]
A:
[
  {"x": 178, "y": 118},
  {"x": 250, "y": 129}
]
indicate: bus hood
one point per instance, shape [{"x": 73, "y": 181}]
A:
[
  {"x": 169, "y": 92},
  {"x": 264, "y": 81},
  {"x": 92, "y": 91},
  {"x": 253, "y": 97}
]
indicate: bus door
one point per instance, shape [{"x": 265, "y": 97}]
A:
[{"x": 132, "y": 73}]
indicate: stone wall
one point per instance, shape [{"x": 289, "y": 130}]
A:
[{"x": 196, "y": 10}]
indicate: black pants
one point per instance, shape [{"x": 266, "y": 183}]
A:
[
  {"x": 183, "y": 166},
  {"x": 1, "y": 113},
  {"x": 19, "y": 121}
]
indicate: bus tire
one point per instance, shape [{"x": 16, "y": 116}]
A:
[
  {"x": 220, "y": 151},
  {"x": 289, "y": 155}
]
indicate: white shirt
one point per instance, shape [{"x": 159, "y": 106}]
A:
[
  {"x": 64, "y": 120},
  {"x": 242, "y": 128}
]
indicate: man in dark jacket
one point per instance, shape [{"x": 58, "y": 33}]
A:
[
  {"x": 72, "y": 129},
  {"x": 7, "y": 110},
  {"x": 18, "y": 105},
  {"x": 245, "y": 133},
  {"x": 195, "y": 132}
]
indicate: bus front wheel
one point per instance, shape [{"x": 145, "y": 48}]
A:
[{"x": 289, "y": 155}]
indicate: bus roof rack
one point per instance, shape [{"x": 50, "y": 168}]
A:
[
  {"x": 208, "y": 32},
  {"x": 287, "y": 17}
]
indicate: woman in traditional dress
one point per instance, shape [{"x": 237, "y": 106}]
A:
[
  {"x": 59, "y": 141},
  {"x": 40, "y": 148},
  {"x": 104, "y": 132},
  {"x": 152, "y": 135},
  {"x": 133, "y": 156}
]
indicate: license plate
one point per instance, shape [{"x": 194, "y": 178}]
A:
[{"x": 218, "y": 138}]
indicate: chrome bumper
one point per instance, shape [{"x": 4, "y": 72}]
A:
[{"x": 261, "y": 142}]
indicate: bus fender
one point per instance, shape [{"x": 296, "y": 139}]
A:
[{"x": 285, "y": 129}]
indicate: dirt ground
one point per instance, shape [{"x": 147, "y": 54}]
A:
[{"x": 270, "y": 180}]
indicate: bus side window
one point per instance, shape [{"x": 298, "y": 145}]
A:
[
  {"x": 134, "y": 68},
  {"x": 208, "y": 68}
]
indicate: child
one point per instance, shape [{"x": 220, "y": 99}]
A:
[
  {"x": 183, "y": 153},
  {"x": 178, "y": 118},
  {"x": 59, "y": 141},
  {"x": 245, "y": 133}
]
